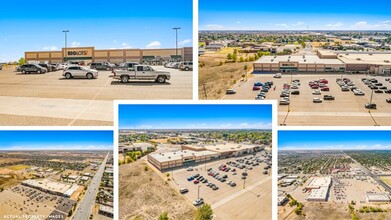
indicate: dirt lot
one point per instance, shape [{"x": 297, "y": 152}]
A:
[
  {"x": 346, "y": 109},
  {"x": 253, "y": 202},
  {"x": 217, "y": 78},
  {"x": 54, "y": 100},
  {"x": 145, "y": 194}
]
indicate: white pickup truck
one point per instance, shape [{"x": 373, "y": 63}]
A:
[{"x": 141, "y": 72}]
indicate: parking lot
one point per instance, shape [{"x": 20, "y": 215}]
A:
[
  {"x": 254, "y": 191},
  {"x": 50, "y": 99},
  {"x": 346, "y": 109},
  {"x": 21, "y": 200}
]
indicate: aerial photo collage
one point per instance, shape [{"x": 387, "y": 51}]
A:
[{"x": 286, "y": 114}]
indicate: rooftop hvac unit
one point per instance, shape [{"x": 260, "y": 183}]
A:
[
  {"x": 386, "y": 61},
  {"x": 305, "y": 60},
  {"x": 358, "y": 58},
  {"x": 272, "y": 60}
]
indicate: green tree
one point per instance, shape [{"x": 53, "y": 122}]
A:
[
  {"x": 70, "y": 213},
  {"x": 245, "y": 67},
  {"x": 205, "y": 212},
  {"x": 235, "y": 57},
  {"x": 235, "y": 51},
  {"x": 229, "y": 56},
  {"x": 163, "y": 216},
  {"x": 21, "y": 61},
  {"x": 241, "y": 59}
]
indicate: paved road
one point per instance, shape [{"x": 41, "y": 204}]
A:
[
  {"x": 374, "y": 176},
  {"x": 85, "y": 206}
]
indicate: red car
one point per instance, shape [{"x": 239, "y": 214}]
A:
[
  {"x": 315, "y": 87},
  {"x": 256, "y": 88},
  {"x": 196, "y": 181},
  {"x": 325, "y": 89},
  {"x": 323, "y": 81}
]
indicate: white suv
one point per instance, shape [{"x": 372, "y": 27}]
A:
[
  {"x": 79, "y": 71},
  {"x": 186, "y": 65}
]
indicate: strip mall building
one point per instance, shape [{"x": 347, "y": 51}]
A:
[
  {"x": 90, "y": 54},
  {"x": 327, "y": 61}
]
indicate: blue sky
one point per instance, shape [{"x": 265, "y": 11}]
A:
[
  {"x": 294, "y": 15},
  {"x": 334, "y": 140},
  {"x": 114, "y": 24},
  {"x": 195, "y": 116},
  {"x": 56, "y": 140}
]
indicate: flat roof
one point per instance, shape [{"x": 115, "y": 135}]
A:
[
  {"x": 49, "y": 185},
  {"x": 301, "y": 59},
  {"x": 106, "y": 209},
  {"x": 319, "y": 194},
  {"x": 179, "y": 154},
  {"x": 361, "y": 58},
  {"x": 226, "y": 147},
  {"x": 318, "y": 182},
  {"x": 377, "y": 196}
]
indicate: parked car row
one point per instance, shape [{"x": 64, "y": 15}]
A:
[
  {"x": 265, "y": 88},
  {"x": 184, "y": 65}
]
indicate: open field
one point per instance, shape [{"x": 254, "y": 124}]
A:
[
  {"x": 18, "y": 167},
  {"x": 54, "y": 100},
  {"x": 145, "y": 194},
  {"x": 346, "y": 109},
  {"x": 247, "y": 200},
  {"x": 217, "y": 78},
  {"x": 386, "y": 179}
]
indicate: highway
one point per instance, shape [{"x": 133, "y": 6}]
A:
[{"x": 85, "y": 206}]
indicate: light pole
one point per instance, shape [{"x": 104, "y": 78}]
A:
[
  {"x": 65, "y": 32},
  {"x": 176, "y": 41},
  {"x": 198, "y": 196},
  {"x": 370, "y": 102}
]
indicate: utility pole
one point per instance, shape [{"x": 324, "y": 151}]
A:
[
  {"x": 176, "y": 41},
  {"x": 66, "y": 52},
  {"x": 198, "y": 197}
]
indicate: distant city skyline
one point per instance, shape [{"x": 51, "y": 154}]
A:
[
  {"x": 334, "y": 140},
  {"x": 195, "y": 116},
  {"x": 56, "y": 140},
  {"x": 111, "y": 25},
  {"x": 303, "y": 15}
]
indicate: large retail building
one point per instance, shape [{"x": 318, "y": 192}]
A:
[
  {"x": 327, "y": 61},
  {"x": 90, "y": 54}
]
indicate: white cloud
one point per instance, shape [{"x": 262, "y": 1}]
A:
[
  {"x": 299, "y": 23},
  {"x": 363, "y": 25},
  {"x": 214, "y": 26},
  {"x": 61, "y": 147},
  {"x": 50, "y": 48},
  {"x": 153, "y": 45},
  {"x": 337, "y": 24},
  {"x": 75, "y": 44},
  {"x": 184, "y": 42},
  {"x": 282, "y": 25},
  {"x": 126, "y": 46},
  {"x": 238, "y": 22},
  {"x": 338, "y": 147}
]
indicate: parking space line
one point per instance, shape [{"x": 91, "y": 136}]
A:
[
  {"x": 90, "y": 103},
  {"x": 237, "y": 194}
]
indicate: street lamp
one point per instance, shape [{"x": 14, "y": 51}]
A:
[
  {"x": 176, "y": 41},
  {"x": 198, "y": 196},
  {"x": 370, "y": 102},
  {"x": 65, "y": 32}
]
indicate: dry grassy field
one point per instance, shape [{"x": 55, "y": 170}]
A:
[
  {"x": 216, "y": 77},
  {"x": 145, "y": 195}
]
